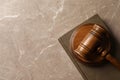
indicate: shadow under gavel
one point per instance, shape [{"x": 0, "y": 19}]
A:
[{"x": 91, "y": 44}]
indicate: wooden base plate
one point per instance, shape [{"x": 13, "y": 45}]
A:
[{"x": 77, "y": 37}]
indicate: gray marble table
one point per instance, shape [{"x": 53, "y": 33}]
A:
[{"x": 29, "y": 32}]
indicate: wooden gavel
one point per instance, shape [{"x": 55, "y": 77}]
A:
[{"x": 91, "y": 44}]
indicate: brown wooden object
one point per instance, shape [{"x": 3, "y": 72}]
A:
[{"x": 91, "y": 44}]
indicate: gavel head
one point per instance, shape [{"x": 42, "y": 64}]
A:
[{"x": 90, "y": 43}]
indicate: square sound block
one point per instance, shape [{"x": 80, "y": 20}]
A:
[{"x": 103, "y": 72}]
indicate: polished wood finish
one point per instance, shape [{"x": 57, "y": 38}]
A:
[
  {"x": 113, "y": 60},
  {"x": 91, "y": 44}
]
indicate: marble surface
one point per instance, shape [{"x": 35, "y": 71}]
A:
[{"x": 29, "y": 29}]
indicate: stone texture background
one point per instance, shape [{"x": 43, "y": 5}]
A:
[{"x": 29, "y": 29}]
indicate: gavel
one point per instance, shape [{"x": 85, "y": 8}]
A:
[{"x": 91, "y": 44}]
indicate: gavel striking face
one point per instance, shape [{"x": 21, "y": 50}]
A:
[{"x": 91, "y": 44}]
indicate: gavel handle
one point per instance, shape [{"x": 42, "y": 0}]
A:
[{"x": 113, "y": 60}]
